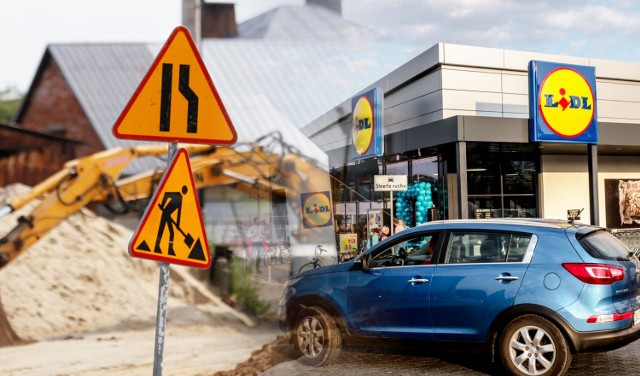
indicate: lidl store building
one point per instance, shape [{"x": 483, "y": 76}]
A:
[{"x": 482, "y": 132}]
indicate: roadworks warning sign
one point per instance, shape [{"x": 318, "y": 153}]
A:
[{"x": 171, "y": 229}]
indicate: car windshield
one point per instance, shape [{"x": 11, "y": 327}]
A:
[{"x": 603, "y": 245}]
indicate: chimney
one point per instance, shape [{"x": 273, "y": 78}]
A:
[
  {"x": 332, "y": 5},
  {"x": 209, "y": 20}
]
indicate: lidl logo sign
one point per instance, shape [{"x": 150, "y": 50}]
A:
[
  {"x": 362, "y": 125},
  {"x": 563, "y": 103},
  {"x": 316, "y": 209},
  {"x": 367, "y": 124}
]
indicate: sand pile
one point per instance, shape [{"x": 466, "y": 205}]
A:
[{"x": 80, "y": 278}]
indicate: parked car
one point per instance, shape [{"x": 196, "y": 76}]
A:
[{"x": 531, "y": 292}]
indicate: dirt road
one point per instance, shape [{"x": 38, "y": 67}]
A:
[{"x": 190, "y": 350}]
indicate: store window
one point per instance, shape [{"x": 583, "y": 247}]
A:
[
  {"x": 353, "y": 196},
  {"x": 502, "y": 180},
  {"x": 424, "y": 201}
]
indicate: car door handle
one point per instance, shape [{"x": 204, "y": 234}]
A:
[
  {"x": 506, "y": 278},
  {"x": 418, "y": 280}
]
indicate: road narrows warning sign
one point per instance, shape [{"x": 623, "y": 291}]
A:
[
  {"x": 171, "y": 229},
  {"x": 176, "y": 100}
]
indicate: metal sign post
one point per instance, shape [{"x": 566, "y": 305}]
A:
[
  {"x": 163, "y": 296},
  {"x": 152, "y": 115}
]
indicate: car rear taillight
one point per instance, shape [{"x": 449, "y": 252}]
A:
[
  {"x": 609, "y": 318},
  {"x": 596, "y": 274}
]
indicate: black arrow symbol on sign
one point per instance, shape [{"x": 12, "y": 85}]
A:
[{"x": 187, "y": 93}]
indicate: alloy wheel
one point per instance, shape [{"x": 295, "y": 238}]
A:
[
  {"x": 532, "y": 350},
  {"x": 310, "y": 336}
]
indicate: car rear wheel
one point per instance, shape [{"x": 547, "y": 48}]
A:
[
  {"x": 531, "y": 345},
  {"x": 316, "y": 338}
]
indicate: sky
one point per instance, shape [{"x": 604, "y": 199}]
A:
[{"x": 599, "y": 29}]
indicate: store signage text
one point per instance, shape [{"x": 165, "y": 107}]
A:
[
  {"x": 386, "y": 183},
  {"x": 563, "y": 103}
]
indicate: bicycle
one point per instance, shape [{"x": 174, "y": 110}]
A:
[
  {"x": 282, "y": 253},
  {"x": 347, "y": 255},
  {"x": 317, "y": 260},
  {"x": 269, "y": 254}
]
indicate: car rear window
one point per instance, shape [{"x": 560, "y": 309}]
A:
[{"x": 602, "y": 245}]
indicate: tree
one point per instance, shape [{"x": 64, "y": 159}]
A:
[{"x": 10, "y": 100}]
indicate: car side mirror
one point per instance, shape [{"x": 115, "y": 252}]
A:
[{"x": 361, "y": 262}]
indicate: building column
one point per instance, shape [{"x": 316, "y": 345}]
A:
[{"x": 461, "y": 166}]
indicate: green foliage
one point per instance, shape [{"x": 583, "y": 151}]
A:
[
  {"x": 8, "y": 109},
  {"x": 245, "y": 289}
]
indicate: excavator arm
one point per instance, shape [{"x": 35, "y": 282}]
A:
[
  {"x": 222, "y": 166},
  {"x": 79, "y": 183},
  {"x": 252, "y": 167}
]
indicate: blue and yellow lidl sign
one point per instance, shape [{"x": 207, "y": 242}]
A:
[
  {"x": 316, "y": 209},
  {"x": 367, "y": 124},
  {"x": 562, "y": 104}
]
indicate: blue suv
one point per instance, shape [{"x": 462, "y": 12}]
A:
[{"x": 529, "y": 292}]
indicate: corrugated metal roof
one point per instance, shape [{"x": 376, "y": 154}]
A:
[
  {"x": 280, "y": 83},
  {"x": 308, "y": 22},
  {"x": 293, "y": 82},
  {"x": 103, "y": 78}
]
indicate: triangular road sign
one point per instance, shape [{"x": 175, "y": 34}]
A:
[
  {"x": 171, "y": 229},
  {"x": 176, "y": 100}
]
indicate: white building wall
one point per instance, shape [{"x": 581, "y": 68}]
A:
[
  {"x": 475, "y": 91},
  {"x": 565, "y": 183},
  {"x": 449, "y": 80}
]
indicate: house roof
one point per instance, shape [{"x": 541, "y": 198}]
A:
[
  {"x": 310, "y": 22},
  {"x": 265, "y": 84},
  {"x": 16, "y": 139}
]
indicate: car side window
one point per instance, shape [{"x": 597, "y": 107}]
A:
[
  {"x": 518, "y": 247},
  {"x": 413, "y": 251},
  {"x": 485, "y": 247}
]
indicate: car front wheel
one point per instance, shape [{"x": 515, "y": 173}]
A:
[
  {"x": 316, "y": 338},
  {"x": 531, "y": 345}
]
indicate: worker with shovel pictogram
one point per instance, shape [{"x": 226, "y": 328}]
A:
[{"x": 171, "y": 203}]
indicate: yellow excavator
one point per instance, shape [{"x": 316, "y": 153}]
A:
[
  {"x": 96, "y": 178},
  {"x": 267, "y": 166}
]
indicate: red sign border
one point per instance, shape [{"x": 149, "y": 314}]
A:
[{"x": 147, "y": 213}]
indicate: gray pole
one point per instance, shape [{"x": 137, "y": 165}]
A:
[
  {"x": 391, "y": 210},
  {"x": 163, "y": 295},
  {"x": 463, "y": 194},
  {"x": 593, "y": 183}
]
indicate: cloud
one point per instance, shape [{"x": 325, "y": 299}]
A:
[{"x": 575, "y": 27}]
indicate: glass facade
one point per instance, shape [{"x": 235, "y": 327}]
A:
[{"x": 502, "y": 180}]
